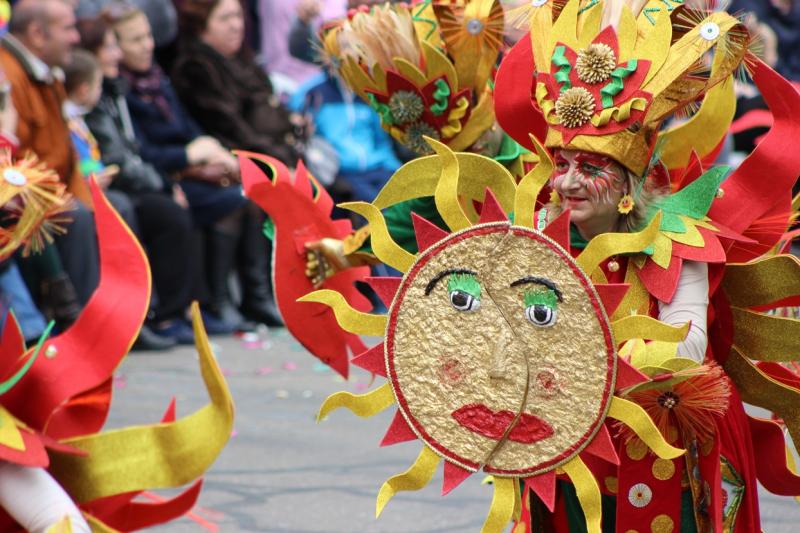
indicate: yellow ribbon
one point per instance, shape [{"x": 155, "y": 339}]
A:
[
  {"x": 619, "y": 113},
  {"x": 640, "y": 422},
  {"x": 347, "y": 317},
  {"x": 530, "y": 186},
  {"x": 504, "y": 502},
  {"x": 454, "y": 118},
  {"x": 645, "y": 327},
  {"x": 415, "y": 478},
  {"x": 587, "y": 491},
  {"x": 363, "y": 405},
  {"x": 608, "y": 244},
  {"x": 446, "y": 195}
]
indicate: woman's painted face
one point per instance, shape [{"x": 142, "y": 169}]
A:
[
  {"x": 496, "y": 351},
  {"x": 225, "y": 28},
  {"x": 590, "y": 185},
  {"x": 136, "y": 41}
]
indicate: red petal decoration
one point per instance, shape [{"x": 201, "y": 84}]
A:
[
  {"x": 454, "y": 475},
  {"x": 372, "y": 360},
  {"x": 659, "y": 282},
  {"x": 12, "y": 347},
  {"x": 492, "y": 211},
  {"x": 385, "y": 287},
  {"x": 558, "y": 230},
  {"x": 399, "y": 431},
  {"x": 544, "y": 485},
  {"x": 612, "y": 294},
  {"x": 83, "y": 414},
  {"x": 427, "y": 233}
]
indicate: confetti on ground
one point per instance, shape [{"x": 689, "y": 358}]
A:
[
  {"x": 263, "y": 371},
  {"x": 361, "y": 387},
  {"x": 120, "y": 382},
  {"x": 226, "y": 372},
  {"x": 234, "y": 432},
  {"x": 290, "y": 365},
  {"x": 282, "y": 394},
  {"x": 308, "y": 394}
]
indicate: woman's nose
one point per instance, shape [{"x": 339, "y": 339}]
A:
[{"x": 499, "y": 364}]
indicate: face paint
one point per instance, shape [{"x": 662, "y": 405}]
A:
[{"x": 596, "y": 173}]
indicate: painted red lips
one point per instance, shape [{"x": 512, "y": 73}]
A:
[{"x": 493, "y": 424}]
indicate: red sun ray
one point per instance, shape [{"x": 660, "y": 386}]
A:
[
  {"x": 169, "y": 414},
  {"x": 11, "y": 347},
  {"x": 627, "y": 375},
  {"x": 454, "y": 475},
  {"x": 544, "y": 486},
  {"x": 372, "y": 360},
  {"x": 385, "y": 287},
  {"x": 602, "y": 447},
  {"x": 301, "y": 181},
  {"x": 611, "y": 294},
  {"x": 399, "y": 431},
  {"x": 558, "y": 230},
  {"x": 492, "y": 211},
  {"x": 426, "y": 232}
]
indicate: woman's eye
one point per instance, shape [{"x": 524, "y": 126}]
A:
[
  {"x": 464, "y": 301},
  {"x": 541, "y": 315},
  {"x": 562, "y": 166},
  {"x": 590, "y": 169}
]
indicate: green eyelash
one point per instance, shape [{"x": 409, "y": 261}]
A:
[
  {"x": 541, "y": 296},
  {"x": 466, "y": 283}
]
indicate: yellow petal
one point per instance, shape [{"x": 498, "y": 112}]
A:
[{"x": 384, "y": 247}]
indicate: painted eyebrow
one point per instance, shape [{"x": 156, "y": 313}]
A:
[
  {"x": 444, "y": 273},
  {"x": 544, "y": 282}
]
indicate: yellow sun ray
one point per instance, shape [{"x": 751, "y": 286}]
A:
[
  {"x": 645, "y": 327},
  {"x": 363, "y": 405},
  {"x": 587, "y": 491},
  {"x": 446, "y": 195},
  {"x": 347, "y": 317},
  {"x": 383, "y": 245},
  {"x": 504, "y": 503},
  {"x": 766, "y": 338},
  {"x": 530, "y": 186},
  {"x": 609, "y": 244},
  {"x": 10, "y": 436},
  {"x": 762, "y": 282},
  {"x": 640, "y": 422},
  {"x": 415, "y": 478}
]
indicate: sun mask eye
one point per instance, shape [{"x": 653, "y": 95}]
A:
[
  {"x": 464, "y": 292},
  {"x": 541, "y": 307}
]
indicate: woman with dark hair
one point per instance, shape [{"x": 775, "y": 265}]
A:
[{"x": 208, "y": 174}]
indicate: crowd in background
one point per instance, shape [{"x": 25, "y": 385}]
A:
[{"x": 150, "y": 96}]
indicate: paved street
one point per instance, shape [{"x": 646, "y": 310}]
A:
[{"x": 283, "y": 472}]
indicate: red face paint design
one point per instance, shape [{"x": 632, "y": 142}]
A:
[{"x": 597, "y": 174}]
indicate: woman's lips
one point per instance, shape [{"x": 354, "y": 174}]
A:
[{"x": 493, "y": 424}]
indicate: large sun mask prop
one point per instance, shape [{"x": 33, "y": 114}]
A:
[{"x": 498, "y": 349}]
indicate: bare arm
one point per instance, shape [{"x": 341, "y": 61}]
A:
[{"x": 690, "y": 303}]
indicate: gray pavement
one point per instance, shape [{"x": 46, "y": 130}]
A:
[{"x": 284, "y": 472}]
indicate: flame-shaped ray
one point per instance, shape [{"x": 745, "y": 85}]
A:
[
  {"x": 776, "y": 476},
  {"x": 143, "y": 457},
  {"x": 531, "y": 185},
  {"x": 558, "y": 230},
  {"x": 88, "y": 352},
  {"x": 587, "y": 491},
  {"x": 446, "y": 194},
  {"x": 372, "y": 360},
  {"x": 11, "y": 345},
  {"x": 638, "y": 420},
  {"x": 762, "y": 282},
  {"x": 399, "y": 431},
  {"x": 388, "y": 251},
  {"x": 766, "y": 338},
  {"x": 385, "y": 287},
  {"x": 504, "y": 503},
  {"x": 645, "y": 327},
  {"x": 415, "y": 478},
  {"x": 454, "y": 475},
  {"x": 363, "y": 405},
  {"x": 544, "y": 485},
  {"x": 628, "y": 375},
  {"x": 426, "y": 232},
  {"x": 602, "y": 446},
  {"x": 348, "y": 318},
  {"x": 609, "y": 244},
  {"x": 492, "y": 211}
]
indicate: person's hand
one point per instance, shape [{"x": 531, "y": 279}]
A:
[
  {"x": 179, "y": 196},
  {"x": 324, "y": 258},
  {"x": 308, "y": 10},
  {"x": 223, "y": 157},
  {"x": 106, "y": 176},
  {"x": 9, "y": 118},
  {"x": 201, "y": 149}
]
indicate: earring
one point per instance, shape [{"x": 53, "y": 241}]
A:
[{"x": 626, "y": 204}]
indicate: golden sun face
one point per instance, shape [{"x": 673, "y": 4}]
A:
[{"x": 497, "y": 361}]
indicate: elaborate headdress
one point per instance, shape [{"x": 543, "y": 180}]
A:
[
  {"x": 604, "y": 76},
  {"x": 425, "y": 69}
]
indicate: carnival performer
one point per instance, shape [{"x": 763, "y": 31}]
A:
[
  {"x": 57, "y": 469},
  {"x": 682, "y": 256}
]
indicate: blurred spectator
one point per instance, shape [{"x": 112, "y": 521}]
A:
[
  {"x": 783, "y": 18},
  {"x": 40, "y": 39},
  {"x": 172, "y": 141}
]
